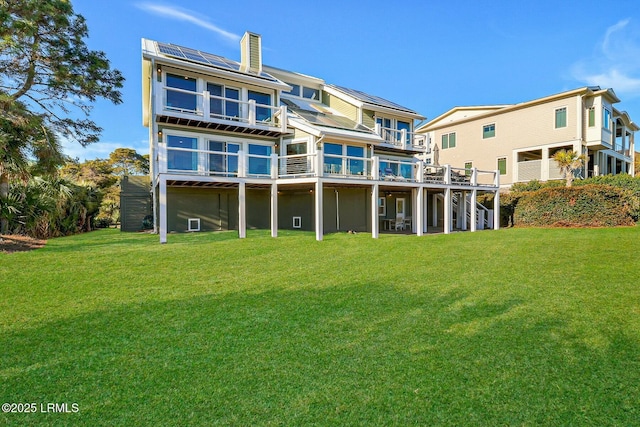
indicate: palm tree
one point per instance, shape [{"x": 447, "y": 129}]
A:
[
  {"x": 23, "y": 137},
  {"x": 569, "y": 162}
]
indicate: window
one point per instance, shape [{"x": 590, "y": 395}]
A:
[
  {"x": 592, "y": 116},
  {"x": 193, "y": 224},
  {"x": 449, "y": 140},
  {"x": 263, "y": 114},
  {"x": 489, "y": 131},
  {"x": 502, "y": 165},
  {"x": 561, "y": 117},
  {"x": 295, "y": 89},
  {"x": 311, "y": 93},
  {"x": 467, "y": 168},
  {"x": 259, "y": 165},
  {"x": 606, "y": 121},
  {"x": 228, "y": 107},
  {"x": 178, "y": 99},
  {"x": 332, "y": 164},
  {"x": 222, "y": 163},
  {"x": 406, "y": 126},
  {"x": 297, "y": 222},
  {"x": 354, "y": 166},
  {"x": 382, "y": 206},
  {"x": 180, "y": 159}
]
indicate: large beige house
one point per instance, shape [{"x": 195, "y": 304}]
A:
[{"x": 519, "y": 140}]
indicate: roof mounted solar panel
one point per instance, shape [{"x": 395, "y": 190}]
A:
[
  {"x": 371, "y": 99},
  {"x": 207, "y": 59}
]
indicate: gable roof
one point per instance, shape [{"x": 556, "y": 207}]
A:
[{"x": 489, "y": 111}]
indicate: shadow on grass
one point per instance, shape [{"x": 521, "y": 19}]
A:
[{"x": 365, "y": 354}]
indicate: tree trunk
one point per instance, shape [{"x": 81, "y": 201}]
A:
[{"x": 4, "y": 193}]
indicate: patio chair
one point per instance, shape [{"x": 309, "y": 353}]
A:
[{"x": 399, "y": 222}]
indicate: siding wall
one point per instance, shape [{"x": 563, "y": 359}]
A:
[
  {"x": 135, "y": 202},
  {"x": 529, "y": 127},
  {"x": 349, "y": 110}
]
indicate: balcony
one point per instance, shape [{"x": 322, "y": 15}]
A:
[
  {"x": 203, "y": 110},
  {"x": 403, "y": 139},
  {"x": 240, "y": 164}
]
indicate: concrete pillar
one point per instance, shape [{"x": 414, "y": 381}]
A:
[{"x": 434, "y": 214}]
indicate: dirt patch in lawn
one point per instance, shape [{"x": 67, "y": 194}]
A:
[{"x": 15, "y": 243}]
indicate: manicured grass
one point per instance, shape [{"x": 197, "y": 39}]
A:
[{"x": 514, "y": 327}]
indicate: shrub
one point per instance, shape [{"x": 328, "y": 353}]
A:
[
  {"x": 534, "y": 185},
  {"x": 586, "y": 205}
]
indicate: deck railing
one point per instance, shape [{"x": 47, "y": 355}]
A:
[
  {"x": 402, "y": 138},
  {"x": 241, "y": 164},
  {"x": 219, "y": 108}
]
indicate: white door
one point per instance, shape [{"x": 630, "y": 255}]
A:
[{"x": 400, "y": 208}]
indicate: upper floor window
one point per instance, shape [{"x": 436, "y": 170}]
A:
[
  {"x": 295, "y": 90},
  {"x": 449, "y": 140},
  {"x": 561, "y": 117},
  {"x": 502, "y": 165},
  {"x": 303, "y": 91},
  {"x": 311, "y": 93},
  {"x": 489, "y": 131},
  {"x": 391, "y": 130},
  {"x": 606, "y": 120},
  {"x": 263, "y": 113},
  {"x": 592, "y": 116},
  {"x": 181, "y": 93},
  {"x": 229, "y": 107}
]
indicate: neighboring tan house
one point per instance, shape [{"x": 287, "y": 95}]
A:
[
  {"x": 237, "y": 145},
  {"x": 520, "y": 140}
]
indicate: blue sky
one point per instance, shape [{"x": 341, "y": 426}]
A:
[{"x": 426, "y": 55}]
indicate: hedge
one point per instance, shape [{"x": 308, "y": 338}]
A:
[{"x": 583, "y": 206}]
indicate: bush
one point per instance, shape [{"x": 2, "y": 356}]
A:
[
  {"x": 585, "y": 205},
  {"x": 147, "y": 222},
  {"x": 536, "y": 185}
]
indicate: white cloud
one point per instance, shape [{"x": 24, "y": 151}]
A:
[
  {"x": 615, "y": 62},
  {"x": 188, "y": 16}
]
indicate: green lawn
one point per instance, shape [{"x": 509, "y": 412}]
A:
[{"x": 514, "y": 327}]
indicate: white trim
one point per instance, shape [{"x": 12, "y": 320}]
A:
[
  {"x": 566, "y": 117},
  {"x": 190, "y": 227},
  {"x": 494, "y": 130}
]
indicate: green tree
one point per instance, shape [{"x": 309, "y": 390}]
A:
[
  {"x": 48, "y": 82},
  {"x": 636, "y": 164},
  {"x": 569, "y": 162},
  {"x": 126, "y": 161}
]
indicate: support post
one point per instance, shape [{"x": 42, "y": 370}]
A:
[
  {"x": 420, "y": 212},
  {"x": 163, "y": 209},
  {"x": 462, "y": 211},
  {"x": 474, "y": 210},
  {"x": 434, "y": 219},
  {"x": 274, "y": 210},
  {"x": 375, "y": 191},
  {"x": 496, "y": 210},
  {"x": 447, "y": 211},
  {"x": 242, "y": 210},
  {"x": 319, "y": 217}
]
